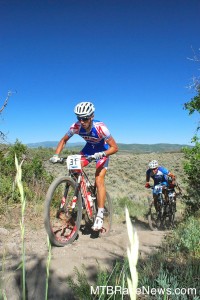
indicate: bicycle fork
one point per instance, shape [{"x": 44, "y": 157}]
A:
[
  {"x": 87, "y": 197},
  {"x": 72, "y": 203}
]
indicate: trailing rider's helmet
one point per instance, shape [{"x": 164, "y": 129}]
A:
[
  {"x": 153, "y": 164},
  {"x": 84, "y": 109}
]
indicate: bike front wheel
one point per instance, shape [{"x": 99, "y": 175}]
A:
[
  {"x": 152, "y": 217},
  {"x": 155, "y": 216},
  {"x": 62, "y": 211}
]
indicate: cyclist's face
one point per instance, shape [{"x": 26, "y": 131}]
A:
[
  {"x": 85, "y": 122},
  {"x": 155, "y": 170}
]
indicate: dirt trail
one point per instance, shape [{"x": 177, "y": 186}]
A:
[{"x": 90, "y": 252}]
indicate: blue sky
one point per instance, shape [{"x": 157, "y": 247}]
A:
[{"x": 130, "y": 58}]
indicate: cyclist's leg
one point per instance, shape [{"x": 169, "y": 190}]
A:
[
  {"x": 101, "y": 169},
  {"x": 100, "y": 184},
  {"x": 155, "y": 201},
  {"x": 164, "y": 189},
  {"x": 101, "y": 193},
  {"x": 155, "y": 192}
]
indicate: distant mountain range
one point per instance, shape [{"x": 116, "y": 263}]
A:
[{"x": 136, "y": 148}]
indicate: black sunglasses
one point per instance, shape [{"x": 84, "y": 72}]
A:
[{"x": 83, "y": 119}]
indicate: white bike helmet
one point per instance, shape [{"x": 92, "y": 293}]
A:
[
  {"x": 153, "y": 164},
  {"x": 84, "y": 109}
]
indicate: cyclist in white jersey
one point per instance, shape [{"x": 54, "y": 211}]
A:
[
  {"x": 99, "y": 143},
  {"x": 160, "y": 176}
]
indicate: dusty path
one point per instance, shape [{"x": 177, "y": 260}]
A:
[{"x": 90, "y": 252}]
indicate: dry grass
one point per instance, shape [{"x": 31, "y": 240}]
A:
[{"x": 126, "y": 173}]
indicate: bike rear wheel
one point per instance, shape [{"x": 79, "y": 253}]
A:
[
  {"x": 173, "y": 211},
  {"x": 62, "y": 221},
  {"x": 170, "y": 217}
]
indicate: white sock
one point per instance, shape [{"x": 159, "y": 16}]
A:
[{"x": 100, "y": 212}]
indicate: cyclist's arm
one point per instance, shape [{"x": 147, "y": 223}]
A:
[
  {"x": 148, "y": 175},
  {"x": 62, "y": 143},
  {"x": 113, "y": 146},
  {"x": 171, "y": 175}
]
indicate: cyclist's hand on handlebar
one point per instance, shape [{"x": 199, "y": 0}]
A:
[
  {"x": 54, "y": 159},
  {"x": 99, "y": 155},
  {"x": 147, "y": 185}
]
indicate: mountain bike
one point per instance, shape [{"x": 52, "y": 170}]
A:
[
  {"x": 164, "y": 214},
  {"x": 72, "y": 200}
]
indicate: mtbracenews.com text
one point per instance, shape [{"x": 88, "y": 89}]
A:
[{"x": 114, "y": 290}]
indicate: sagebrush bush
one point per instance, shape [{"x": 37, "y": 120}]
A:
[
  {"x": 34, "y": 176},
  {"x": 187, "y": 237}
]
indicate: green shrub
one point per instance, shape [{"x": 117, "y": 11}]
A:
[
  {"x": 187, "y": 237},
  {"x": 82, "y": 287},
  {"x": 192, "y": 170},
  {"x": 7, "y": 192},
  {"x": 35, "y": 178},
  {"x": 33, "y": 169},
  {"x": 192, "y": 164}
]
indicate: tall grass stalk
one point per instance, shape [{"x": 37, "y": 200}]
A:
[
  {"x": 3, "y": 295},
  {"x": 18, "y": 180},
  {"x": 47, "y": 268},
  {"x": 132, "y": 253}
]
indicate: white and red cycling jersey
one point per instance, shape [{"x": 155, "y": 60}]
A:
[{"x": 95, "y": 139}]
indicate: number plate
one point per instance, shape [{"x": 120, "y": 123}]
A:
[{"x": 74, "y": 162}]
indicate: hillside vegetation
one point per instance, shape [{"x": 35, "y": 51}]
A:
[{"x": 133, "y": 148}]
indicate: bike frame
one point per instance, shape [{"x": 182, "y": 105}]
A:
[
  {"x": 75, "y": 165},
  {"x": 164, "y": 207},
  {"x": 71, "y": 199}
]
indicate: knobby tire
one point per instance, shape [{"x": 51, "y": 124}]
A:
[
  {"x": 155, "y": 218},
  {"x": 152, "y": 216},
  {"x": 161, "y": 219},
  {"x": 62, "y": 224},
  {"x": 170, "y": 215}
]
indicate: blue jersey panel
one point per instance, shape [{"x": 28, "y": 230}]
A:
[
  {"x": 95, "y": 139},
  {"x": 163, "y": 170}
]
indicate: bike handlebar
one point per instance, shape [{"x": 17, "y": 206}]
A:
[
  {"x": 167, "y": 187},
  {"x": 88, "y": 157},
  {"x": 149, "y": 187}
]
